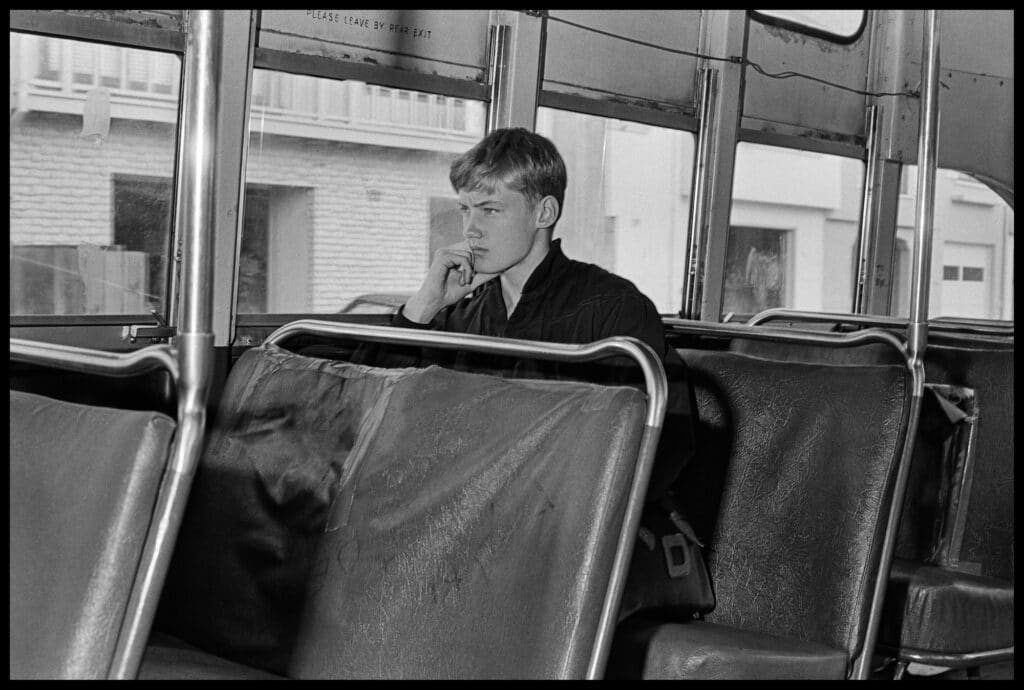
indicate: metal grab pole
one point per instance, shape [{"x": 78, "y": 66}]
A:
[
  {"x": 194, "y": 342},
  {"x": 917, "y": 328},
  {"x": 699, "y": 205},
  {"x": 868, "y": 228},
  {"x": 927, "y": 155}
]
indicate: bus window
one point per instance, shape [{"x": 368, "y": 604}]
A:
[
  {"x": 93, "y": 132},
  {"x": 841, "y": 26},
  {"x": 972, "y": 248},
  {"x": 793, "y": 230},
  {"x": 627, "y": 203},
  {"x": 346, "y": 191}
]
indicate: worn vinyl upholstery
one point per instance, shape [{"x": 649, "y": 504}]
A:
[
  {"x": 932, "y": 609},
  {"x": 793, "y": 483},
  {"x": 988, "y": 535},
  {"x": 84, "y": 481},
  {"x": 275, "y": 448},
  {"x": 467, "y": 482},
  {"x": 473, "y": 537},
  {"x": 929, "y": 608}
]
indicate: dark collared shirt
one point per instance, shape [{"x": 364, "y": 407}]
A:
[
  {"x": 563, "y": 301},
  {"x": 567, "y": 301}
]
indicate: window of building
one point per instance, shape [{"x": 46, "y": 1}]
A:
[
  {"x": 796, "y": 215},
  {"x": 972, "y": 249},
  {"x": 341, "y": 208},
  {"x": 91, "y": 180},
  {"x": 627, "y": 203}
]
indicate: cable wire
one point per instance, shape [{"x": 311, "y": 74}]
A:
[{"x": 734, "y": 59}]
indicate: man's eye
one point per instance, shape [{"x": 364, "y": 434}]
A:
[
  {"x": 463, "y": 210},
  {"x": 490, "y": 211}
]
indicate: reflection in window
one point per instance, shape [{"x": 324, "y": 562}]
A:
[
  {"x": 793, "y": 236},
  {"x": 91, "y": 177},
  {"x": 627, "y": 202},
  {"x": 755, "y": 274},
  {"x": 343, "y": 180},
  {"x": 972, "y": 249},
  {"x": 842, "y": 24}
]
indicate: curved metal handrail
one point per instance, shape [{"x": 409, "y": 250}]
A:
[
  {"x": 784, "y": 335},
  {"x": 653, "y": 370},
  {"x": 657, "y": 401},
  {"x": 943, "y": 324},
  {"x": 89, "y": 361},
  {"x": 909, "y": 424}
]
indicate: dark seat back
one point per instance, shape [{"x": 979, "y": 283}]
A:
[
  {"x": 349, "y": 521},
  {"x": 988, "y": 541},
  {"x": 957, "y": 360},
  {"x": 84, "y": 481},
  {"x": 793, "y": 483}
]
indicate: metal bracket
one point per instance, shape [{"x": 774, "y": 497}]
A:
[{"x": 159, "y": 333}]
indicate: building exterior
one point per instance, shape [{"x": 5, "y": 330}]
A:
[{"x": 347, "y": 193}]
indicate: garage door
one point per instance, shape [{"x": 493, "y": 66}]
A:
[{"x": 967, "y": 280}]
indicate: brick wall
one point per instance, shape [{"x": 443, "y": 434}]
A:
[{"x": 370, "y": 204}]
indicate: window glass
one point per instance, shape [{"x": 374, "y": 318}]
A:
[
  {"x": 92, "y": 165},
  {"x": 841, "y": 24},
  {"x": 793, "y": 231},
  {"x": 972, "y": 248},
  {"x": 346, "y": 192},
  {"x": 627, "y": 203}
]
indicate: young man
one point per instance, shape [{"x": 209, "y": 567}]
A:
[
  {"x": 511, "y": 189},
  {"x": 510, "y": 279}
]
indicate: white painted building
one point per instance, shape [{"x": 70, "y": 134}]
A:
[{"x": 347, "y": 193}]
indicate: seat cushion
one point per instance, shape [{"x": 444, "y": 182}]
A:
[
  {"x": 84, "y": 480},
  {"x": 656, "y": 650},
  {"x": 168, "y": 658},
  {"x": 931, "y": 609}
]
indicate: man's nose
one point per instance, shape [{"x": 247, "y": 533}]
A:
[{"x": 470, "y": 230}]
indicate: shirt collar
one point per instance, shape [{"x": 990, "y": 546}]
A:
[{"x": 548, "y": 269}]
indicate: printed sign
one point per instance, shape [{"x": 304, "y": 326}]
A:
[{"x": 450, "y": 43}]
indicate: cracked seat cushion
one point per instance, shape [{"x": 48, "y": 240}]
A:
[
  {"x": 655, "y": 650},
  {"x": 932, "y": 609}
]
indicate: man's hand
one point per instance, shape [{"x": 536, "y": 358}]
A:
[{"x": 449, "y": 278}]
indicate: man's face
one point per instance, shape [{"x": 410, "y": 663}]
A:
[{"x": 500, "y": 227}]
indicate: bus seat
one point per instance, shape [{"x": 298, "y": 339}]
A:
[
  {"x": 435, "y": 523},
  {"x": 868, "y": 353},
  {"x": 988, "y": 540},
  {"x": 276, "y": 444},
  {"x": 793, "y": 483},
  {"x": 474, "y": 538},
  {"x": 84, "y": 481},
  {"x": 938, "y": 611},
  {"x": 956, "y": 608}
]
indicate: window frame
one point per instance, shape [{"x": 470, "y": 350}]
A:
[{"x": 101, "y": 32}]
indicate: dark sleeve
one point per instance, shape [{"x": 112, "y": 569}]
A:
[
  {"x": 635, "y": 315},
  {"x": 390, "y": 355},
  {"x": 399, "y": 320}
]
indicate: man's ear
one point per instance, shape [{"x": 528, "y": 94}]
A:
[{"x": 547, "y": 212}]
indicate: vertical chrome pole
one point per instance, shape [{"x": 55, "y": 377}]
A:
[
  {"x": 194, "y": 342},
  {"x": 866, "y": 235},
  {"x": 927, "y": 155},
  {"x": 498, "y": 74},
  {"x": 699, "y": 204},
  {"x": 917, "y": 334}
]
